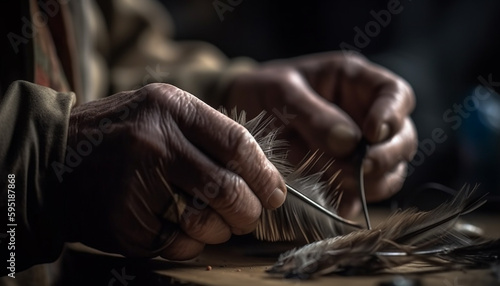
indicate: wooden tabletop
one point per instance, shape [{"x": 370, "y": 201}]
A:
[{"x": 243, "y": 261}]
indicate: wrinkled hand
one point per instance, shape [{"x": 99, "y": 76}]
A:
[
  {"x": 116, "y": 197},
  {"x": 328, "y": 102}
]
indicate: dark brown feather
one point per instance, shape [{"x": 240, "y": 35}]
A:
[{"x": 406, "y": 236}]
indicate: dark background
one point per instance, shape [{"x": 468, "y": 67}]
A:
[{"x": 440, "y": 47}]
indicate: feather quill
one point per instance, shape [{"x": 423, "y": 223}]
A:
[
  {"x": 406, "y": 236},
  {"x": 309, "y": 212},
  {"x": 306, "y": 215}
]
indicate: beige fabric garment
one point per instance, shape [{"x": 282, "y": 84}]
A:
[{"x": 129, "y": 44}]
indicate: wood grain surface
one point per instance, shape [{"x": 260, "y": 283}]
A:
[{"x": 243, "y": 261}]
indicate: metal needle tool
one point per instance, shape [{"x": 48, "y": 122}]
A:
[
  {"x": 319, "y": 207},
  {"x": 360, "y": 155}
]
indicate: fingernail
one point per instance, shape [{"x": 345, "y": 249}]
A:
[
  {"x": 342, "y": 139},
  {"x": 276, "y": 199},
  {"x": 367, "y": 166},
  {"x": 383, "y": 132}
]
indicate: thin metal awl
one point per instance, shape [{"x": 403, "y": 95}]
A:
[
  {"x": 319, "y": 207},
  {"x": 360, "y": 156}
]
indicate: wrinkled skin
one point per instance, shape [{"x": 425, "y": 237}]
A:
[
  {"x": 198, "y": 151},
  {"x": 328, "y": 102},
  {"x": 116, "y": 196}
]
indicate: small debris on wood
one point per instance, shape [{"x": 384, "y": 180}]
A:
[{"x": 209, "y": 268}]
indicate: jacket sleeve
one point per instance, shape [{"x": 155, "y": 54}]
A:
[
  {"x": 33, "y": 127},
  {"x": 141, "y": 50}
]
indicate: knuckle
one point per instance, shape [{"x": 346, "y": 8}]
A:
[
  {"x": 158, "y": 88},
  {"x": 149, "y": 92},
  {"x": 400, "y": 91},
  {"x": 162, "y": 93},
  {"x": 234, "y": 203},
  {"x": 354, "y": 64},
  {"x": 407, "y": 92},
  {"x": 172, "y": 103},
  {"x": 287, "y": 74},
  {"x": 280, "y": 80},
  {"x": 241, "y": 142},
  {"x": 355, "y": 58}
]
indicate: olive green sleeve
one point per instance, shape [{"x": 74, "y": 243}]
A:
[{"x": 33, "y": 127}]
